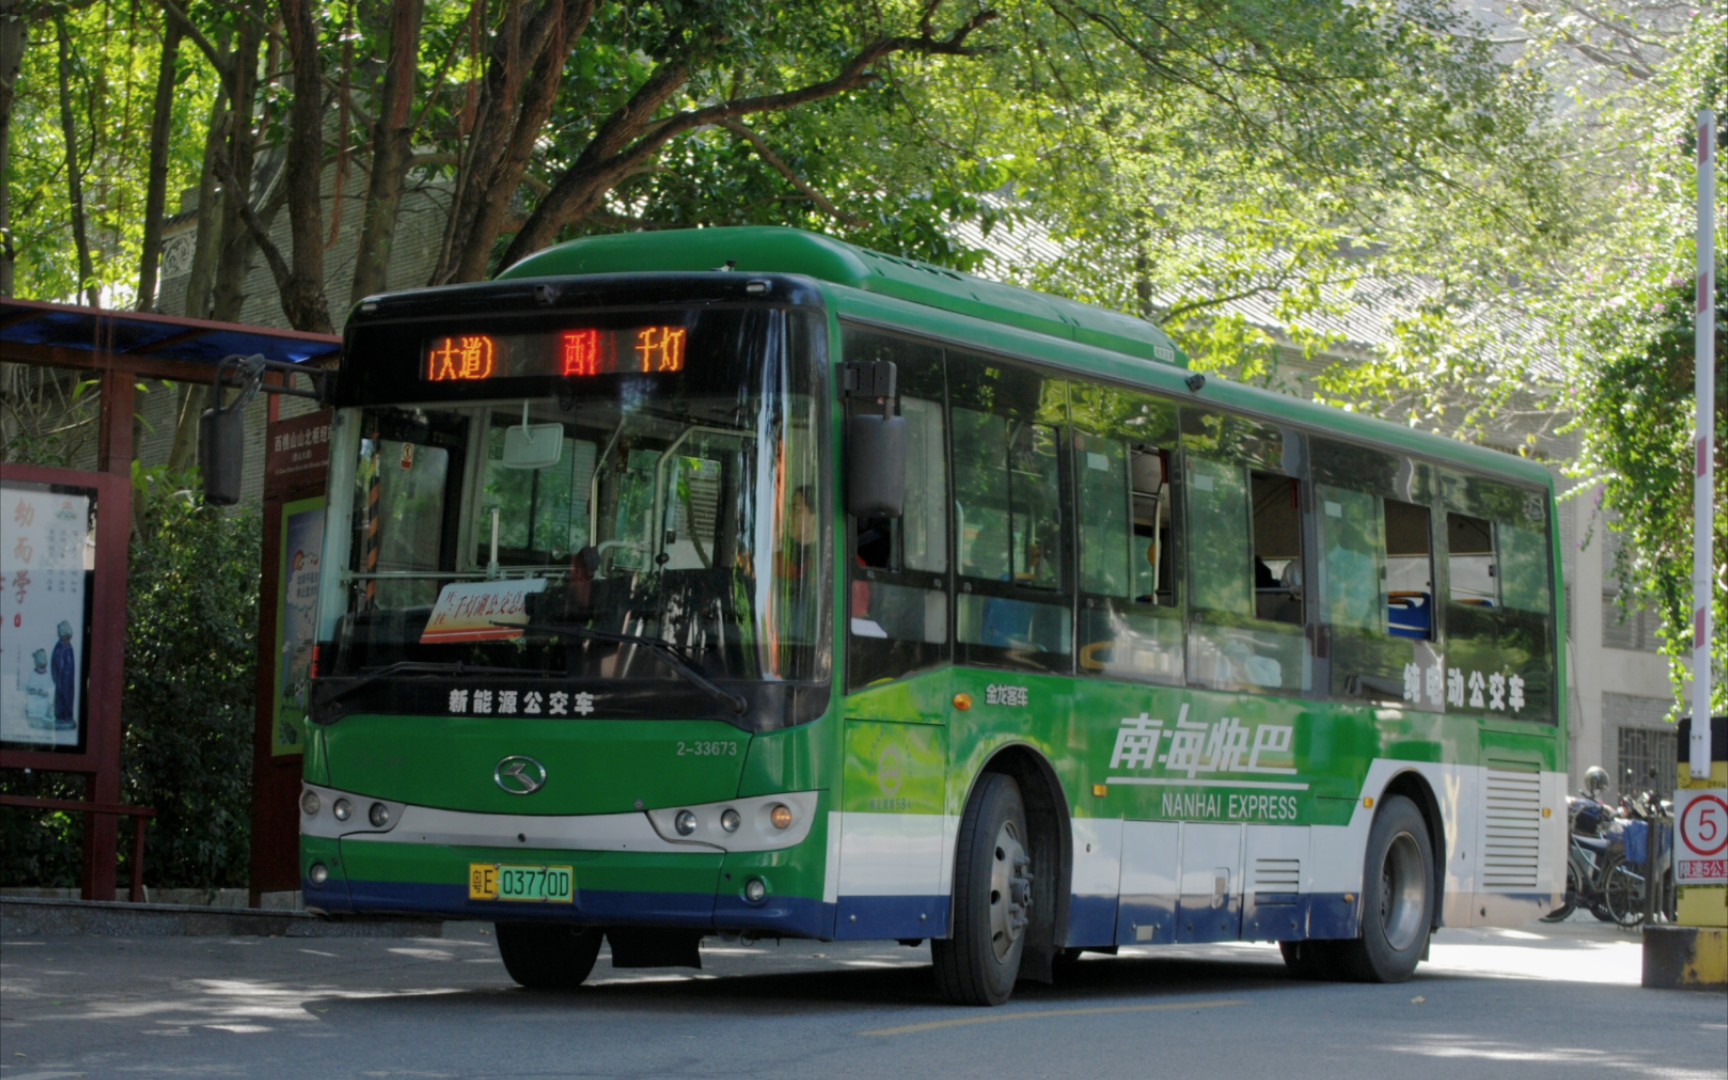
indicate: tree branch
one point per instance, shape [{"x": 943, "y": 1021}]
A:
[
  {"x": 255, "y": 226},
  {"x": 612, "y": 155},
  {"x": 775, "y": 162}
]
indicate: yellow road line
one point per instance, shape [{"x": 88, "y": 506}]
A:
[{"x": 1001, "y": 1017}]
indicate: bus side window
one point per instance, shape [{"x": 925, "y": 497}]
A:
[
  {"x": 1409, "y": 571},
  {"x": 1125, "y": 561},
  {"x": 1242, "y": 634},
  {"x": 1499, "y": 617},
  {"x": 1276, "y": 514},
  {"x": 1353, "y": 554},
  {"x": 1013, "y": 605},
  {"x": 1470, "y": 561},
  {"x": 1377, "y": 594},
  {"x": 897, "y": 568}
]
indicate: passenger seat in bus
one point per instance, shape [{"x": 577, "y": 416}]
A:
[{"x": 1410, "y": 614}]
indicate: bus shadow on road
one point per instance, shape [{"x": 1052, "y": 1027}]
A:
[{"x": 841, "y": 985}]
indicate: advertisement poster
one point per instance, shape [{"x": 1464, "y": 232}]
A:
[
  {"x": 302, "y": 533},
  {"x": 46, "y": 548}
]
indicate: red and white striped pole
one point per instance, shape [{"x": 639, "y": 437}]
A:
[{"x": 1705, "y": 380}]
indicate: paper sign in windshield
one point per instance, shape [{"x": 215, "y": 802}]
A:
[{"x": 480, "y": 611}]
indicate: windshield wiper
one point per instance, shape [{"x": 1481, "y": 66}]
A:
[
  {"x": 418, "y": 667},
  {"x": 665, "y": 650}
]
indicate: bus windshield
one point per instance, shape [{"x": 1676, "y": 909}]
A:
[{"x": 612, "y": 525}]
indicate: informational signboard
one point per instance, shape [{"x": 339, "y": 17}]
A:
[
  {"x": 45, "y": 554},
  {"x": 1701, "y": 836},
  {"x": 302, "y": 533}
]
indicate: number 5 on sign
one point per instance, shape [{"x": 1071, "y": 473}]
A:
[{"x": 1701, "y": 837}]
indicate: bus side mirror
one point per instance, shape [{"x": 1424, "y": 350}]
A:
[
  {"x": 222, "y": 428},
  {"x": 875, "y": 443},
  {"x": 222, "y": 453},
  {"x": 876, "y": 466}
]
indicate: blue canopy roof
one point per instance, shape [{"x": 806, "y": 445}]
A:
[{"x": 153, "y": 346}]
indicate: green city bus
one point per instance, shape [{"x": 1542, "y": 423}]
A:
[{"x": 746, "y": 583}]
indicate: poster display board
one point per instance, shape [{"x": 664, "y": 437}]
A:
[
  {"x": 297, "y": 601},
  {"x": 47, "y": 556}
]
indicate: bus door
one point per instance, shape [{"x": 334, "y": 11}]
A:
[{"x": 892, "y": 877}]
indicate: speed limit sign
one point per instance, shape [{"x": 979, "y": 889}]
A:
[{"x": 1701, "y": 837}]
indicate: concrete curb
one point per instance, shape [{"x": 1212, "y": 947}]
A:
[
  {"x": 1686, "y": 958},
  {"x": 22, "y": 917}
]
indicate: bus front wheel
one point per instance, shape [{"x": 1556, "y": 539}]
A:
[
  {"x": 543, "y": 956},
  {"x": 980, "y": 962},
  {"x": 1397, "y": 896}
]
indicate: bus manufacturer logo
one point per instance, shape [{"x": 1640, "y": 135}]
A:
[{"x": 520, "y": 775}]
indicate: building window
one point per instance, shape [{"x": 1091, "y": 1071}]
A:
[{"x": 1648, "y": 759}]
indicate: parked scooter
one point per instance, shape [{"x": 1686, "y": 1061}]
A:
[{"x": 1648, "y": 818}]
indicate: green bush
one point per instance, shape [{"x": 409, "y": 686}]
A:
[{"x": 191, "y": 666}]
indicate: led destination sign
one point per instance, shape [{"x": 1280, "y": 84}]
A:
[{"x": 567, "y": 353}]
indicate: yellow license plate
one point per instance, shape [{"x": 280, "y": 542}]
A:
[{"x": 527, "y": 884}]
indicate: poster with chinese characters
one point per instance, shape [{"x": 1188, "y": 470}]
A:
[
  {"x": 45, "y": 550},
  {"x": 302, "y": 533}
]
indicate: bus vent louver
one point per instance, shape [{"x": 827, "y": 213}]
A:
[
  {"x": 1512, "y": 827},
  {"x": 1277, "y": 875}
]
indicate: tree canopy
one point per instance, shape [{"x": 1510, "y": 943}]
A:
[
  {"x": 1131, "y": 126},
  {"x": 1622, "y": 305}
]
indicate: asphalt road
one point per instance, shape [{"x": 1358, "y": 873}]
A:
[{"x": 1560, "y": 1001}]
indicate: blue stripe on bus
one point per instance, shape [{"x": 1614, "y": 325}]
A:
[
  {"x": 1164, "y": 920},
  {"x": 793, "y": 915},
  {"x": 883, "y": 918},
  {"x": 1091, "y": 921},
  {"x": 786, "y": 915},
  {"x": 1292, "y": 917},
  {"x": 451, "y": 901}
]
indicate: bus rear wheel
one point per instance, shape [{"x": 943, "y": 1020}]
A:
[
  {"x": 1397, "y": 897},
  {"x": 980, "y": 962},
  {"x": 542, "y": 956}
]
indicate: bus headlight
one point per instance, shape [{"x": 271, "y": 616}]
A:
[
  {"x": 378, "y": 815},
  {"x": 742, "y": 823},
  {"x": 309, "y": 803},
  {"x": 343, "y": 809}
]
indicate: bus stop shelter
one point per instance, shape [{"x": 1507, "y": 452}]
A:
[{"x": 63, "y": 551}]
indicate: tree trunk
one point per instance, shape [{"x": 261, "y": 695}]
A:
[
  {"x": 228, "y": 289},
  {"x": 513, "y": 115},
  {"x": 74, "y": 173},
  {"x": 200, "y": 280},
  {"x": 392, "y": 147},
  {"x": 12, "y": 40},
  {"x": 303, "y": 299},
  {"x": 183, "y": 451},
  {"x": 156, "y": 194}
]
